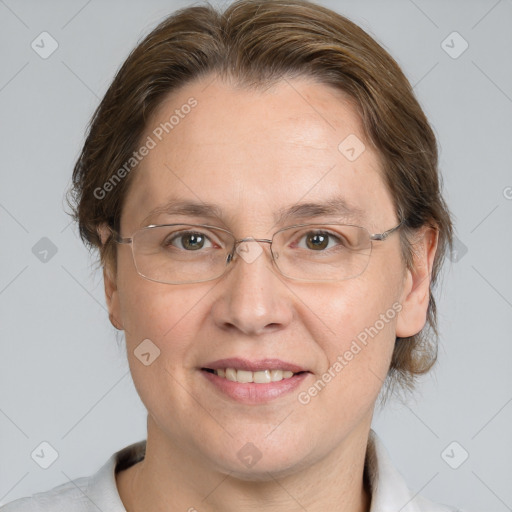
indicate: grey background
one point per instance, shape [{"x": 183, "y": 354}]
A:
[{"x": 64, "y": 378}]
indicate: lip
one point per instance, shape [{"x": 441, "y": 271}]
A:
[
  {"x": 254, "y": 366},
  {"x": 254, "y": 393},
  {"x": 251, "y": 393}
]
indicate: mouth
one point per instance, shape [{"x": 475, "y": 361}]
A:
[{"x": 253, "y": 382}]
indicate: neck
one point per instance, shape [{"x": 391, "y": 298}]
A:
[{"x": 172, "y": 478}]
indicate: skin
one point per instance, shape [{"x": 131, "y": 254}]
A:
[{"x": 252, "y": 152}]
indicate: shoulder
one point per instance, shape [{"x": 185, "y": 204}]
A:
[
  {"x": 67, "y": 497},
  {"x": 85, "y": 494}
]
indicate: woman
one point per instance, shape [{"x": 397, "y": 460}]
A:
[{"x": 263, "y": 190}]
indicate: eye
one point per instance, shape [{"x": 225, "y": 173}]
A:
[
  {"x": 187, "y": 240},
  {"x": 319, "y": 240}
]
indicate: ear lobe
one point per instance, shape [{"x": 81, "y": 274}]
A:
[
  {"x": 112, "y": 298},
  {"x": 109, "y": 280},
  {"x": 416, "y": 289}
]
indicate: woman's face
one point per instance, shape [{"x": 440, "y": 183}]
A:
[{"x": 253, "y": 154}]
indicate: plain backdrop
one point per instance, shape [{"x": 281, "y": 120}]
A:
[{"x": 64, "y": 378}]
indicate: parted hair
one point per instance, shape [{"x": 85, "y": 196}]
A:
[{"x": 255, "y": 43}]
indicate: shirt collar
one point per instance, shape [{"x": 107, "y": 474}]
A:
[
  {"x": 102, "y": 489},
  {"x": 388, "y": 488}
]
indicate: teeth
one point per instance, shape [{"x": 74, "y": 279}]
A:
[
  {"x": 230, "y": 374},
  {"x": 261, "y": 377},
  {"x": 244, "y": 376}
]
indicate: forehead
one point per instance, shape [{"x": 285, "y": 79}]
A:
[{"x": 255, "y": 154}]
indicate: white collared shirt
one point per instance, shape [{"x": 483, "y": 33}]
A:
[{"x": 99, "y": 491}]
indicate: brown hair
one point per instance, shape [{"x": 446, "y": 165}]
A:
[{"x": 255, "y": 43}]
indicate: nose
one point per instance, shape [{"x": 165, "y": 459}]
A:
[{"x": 253, "y": 297}]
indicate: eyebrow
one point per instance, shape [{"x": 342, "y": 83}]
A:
[{"x": 336, "y": 206}]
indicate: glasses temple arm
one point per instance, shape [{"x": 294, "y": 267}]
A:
[
  {"x": 383, "y": 236},
  {"x": 118, "y": 238}
]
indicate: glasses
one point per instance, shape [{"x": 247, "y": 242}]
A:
[{"x": 194, "y": 253}]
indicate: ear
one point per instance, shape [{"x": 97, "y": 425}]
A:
[
  {"x": 416, "y": 290},
  {"x": 110, "y": 282}
]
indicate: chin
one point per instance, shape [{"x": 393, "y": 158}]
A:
[
  {"x": 262, "y": 461},
  {"x": 262, "y": 471}
]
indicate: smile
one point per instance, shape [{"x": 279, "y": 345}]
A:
[{"x": 246, "y": 376}]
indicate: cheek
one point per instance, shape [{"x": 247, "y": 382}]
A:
[
  {"x": 356, "y": 335},
  {"x": 348, "y": 311},
  {"x": 172, "y": 318},
  {"x": 165, "y": 314},
  {"x": 162, "y": 322}
]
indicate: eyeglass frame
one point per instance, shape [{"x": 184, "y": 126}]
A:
[{"x": 378, "y": 237}]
